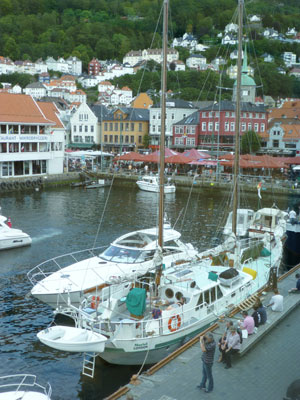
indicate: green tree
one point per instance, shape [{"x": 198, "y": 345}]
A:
[
  {"x": 146, "y": 141},
  {"x": 250, "y": 143}
]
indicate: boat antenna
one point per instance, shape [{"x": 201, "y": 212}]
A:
[
  {"x": 162, "y": 134},
  {"x": 237, "y": 120}
]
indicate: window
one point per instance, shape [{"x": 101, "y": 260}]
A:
[
  {"x": 244, "y": 126},
  {"x": 126, "y": 139},
  {"x": 105, "y": 126},
  {"x": 256, "y": 127},
  {"x": 86, "y": 117},
  {"x": 227, "y": 114},
  {"x": 140, "y": 139},
  {"x": 140, "y": 127},
  {"x": 132, "y": 126},
  {"x": 210, "y": 126},
  {"x": 92, "y": 128},
  {"x": 244, "y": 115},
  {"x": 116, "y": 138},
  {"x": 232, "y": 125},
  {"x": 204, "y": 115},
  {"x": 204, "y": 126},
  {"x": 173, "y": 116},
  {"x": 153, "y": 116},
  {"x": 105, "y": 138},
  {"x": 127, "y": 126},
  {"x": 262, "y": 127},
  {"x": 226, "y": 126},
  {"x": 210, "y": 114},
  {"x": 86, "y": 129},
  {"x": 250, "y": 115},
  {"x": 111, "y": 126},
  {"x": 80, "y": 128},
  {"x": 121, "y": 126},
  {"x": 131, "y": 139},
  {"x": 74, "y": 128},
  {"x": 217, "y": 126},
  {"x": 110, "y": 138},
  {"x": 249, "y": 126},
  {"x": 153, "y": 128},
  {"x": 275, "y": 143},
  {"x": 13, "y": 148},
  {"x": 6, "y": 169},
  {"x": 80, "y": 117},
  {"x": 116, "y": 126},
  {"x": 233, "y": 114},
  {"x": 3, "y": 129}
]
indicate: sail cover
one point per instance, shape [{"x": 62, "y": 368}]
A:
[{"x": 136, "y": 301}]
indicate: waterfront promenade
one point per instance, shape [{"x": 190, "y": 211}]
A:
[{"x": 264, "y": 372}]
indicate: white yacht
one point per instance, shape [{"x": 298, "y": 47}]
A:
[
  {"x": 11, "y": 237},
  {"x": 130, "y": 255},
  {"x": 150, "y": 183},
  {"x": 23, "y": 386},
  {"x": 267, "y": 220}
]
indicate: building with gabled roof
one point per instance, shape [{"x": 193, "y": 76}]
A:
[{"x": 27, "y": 145}]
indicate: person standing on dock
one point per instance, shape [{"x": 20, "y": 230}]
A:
[{"x": 208, "y": 347}]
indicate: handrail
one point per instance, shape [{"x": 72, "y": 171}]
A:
[
  {"x": 38, "y": 269},
  {"x": 24, "y": 380}
]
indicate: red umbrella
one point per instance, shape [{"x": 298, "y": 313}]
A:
[
  {"x": 132, "y": 156},
  {"x": 154, "y": 157},
  {"x": 195, "y": 154},
  {"x": 204, "y": 162},
  {"x": 178, "y": 159}
]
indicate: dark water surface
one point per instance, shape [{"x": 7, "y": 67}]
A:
[{"x": 64, "y": 220}]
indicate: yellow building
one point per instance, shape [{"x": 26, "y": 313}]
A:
[
  {"x": 124, "y": 129},
  {"x": 142, "y": 101}
]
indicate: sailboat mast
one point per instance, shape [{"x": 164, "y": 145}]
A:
[
  {"x": 163, "y": 126},
  {"x": 237, "y": 120}
]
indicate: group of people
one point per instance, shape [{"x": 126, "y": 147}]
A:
[{"x": 231, "y": 341}]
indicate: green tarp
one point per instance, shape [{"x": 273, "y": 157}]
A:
[{"x": 136, "y": 301}]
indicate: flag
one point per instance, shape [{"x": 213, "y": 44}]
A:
[
  {"x": 258, "y": 189},
  {"x": 11, "y": 130}
]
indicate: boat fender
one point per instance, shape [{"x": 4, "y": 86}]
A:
[
  {"x": 28, "y": 183},
  {"x": 40, "y": 181},
  {"x": 35, "y": 182},
  {"x": 10, "y": 185},
  {"x": 3, "y": 185},
  {"x": 16, "y": 184},
  {"x": 174, "y": 323},
  {"x": 23, "y": 184},
  {"x": 95, "y": 302}
]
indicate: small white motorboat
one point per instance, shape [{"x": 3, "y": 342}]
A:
[
  {"x": 23, "y": 386},
  {"x": 150, "y": 183},
  {"x": 244, "y": 218},
  {"x": 71, "y": 339},
  {"x": 11, "y": 237}
]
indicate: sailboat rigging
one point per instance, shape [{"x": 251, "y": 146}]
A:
[{"x": 146, "y": 317}]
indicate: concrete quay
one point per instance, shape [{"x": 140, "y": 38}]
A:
[{"x": 264, "y": 373}]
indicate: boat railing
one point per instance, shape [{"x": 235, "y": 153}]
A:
[
  {"x": 21, "y": 382},
  {"x": 55, "y": 264}
]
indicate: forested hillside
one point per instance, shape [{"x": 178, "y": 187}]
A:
[{"x": 107, "y": 29}]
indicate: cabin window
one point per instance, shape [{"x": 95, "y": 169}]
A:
[
  {"x": 206, "y": 296},
  {"x": 193, "y": 284},
  {"x": 200, "y": 301},
  {"x": 212, "y": 295},
  {"x": 178, "y": 295},
  {"x": 169, "y": 293},
  {"x": 219, "y": 292}
]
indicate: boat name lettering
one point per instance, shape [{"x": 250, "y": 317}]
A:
[{"x": 140, "y": 346}]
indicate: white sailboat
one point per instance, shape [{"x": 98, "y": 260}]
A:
[{"x": 147, "y": 317}]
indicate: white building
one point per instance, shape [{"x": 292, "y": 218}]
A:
[
  {"x": 83, "y": 123},
  {"x": 231, "y": 28},
  {"x": 196, "y": 61},
  {"x": 36, "y": 90},
  {"x": 75, "y": 65},
  {"x": 289, "y": 58},
  {"x": 31, "y": 143},
  {"x": 176, "y": 110},
  {"x": 79, "y": 96},
  {"x": 134, "y": 57}
]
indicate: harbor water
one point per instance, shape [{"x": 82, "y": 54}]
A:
[{"x": 64, "y": 220}]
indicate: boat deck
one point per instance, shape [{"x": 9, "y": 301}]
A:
[{"x": 272, "y": 364}]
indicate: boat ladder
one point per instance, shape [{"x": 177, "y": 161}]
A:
[{"x": 88, "y": 366}]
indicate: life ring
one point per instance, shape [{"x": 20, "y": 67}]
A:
[
  {"x": 23, "y": 184},
  {"x": 28, "y": 183},
  {"x": 10, "y": 185},
  {"x": 3, "y": 185},
  {"x": 40, "y": 181},
  {"x": 95, "y": 302},
  {"x": 174, "y": 323},
  {"x": 16, "y": 184}
]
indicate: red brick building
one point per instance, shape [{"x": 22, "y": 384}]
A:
[
  {"x": 214, "y": 126},
  {"x": 94, "y": 67}
]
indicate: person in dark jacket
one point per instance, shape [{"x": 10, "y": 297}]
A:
[{"x": 208, "y": 347}]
